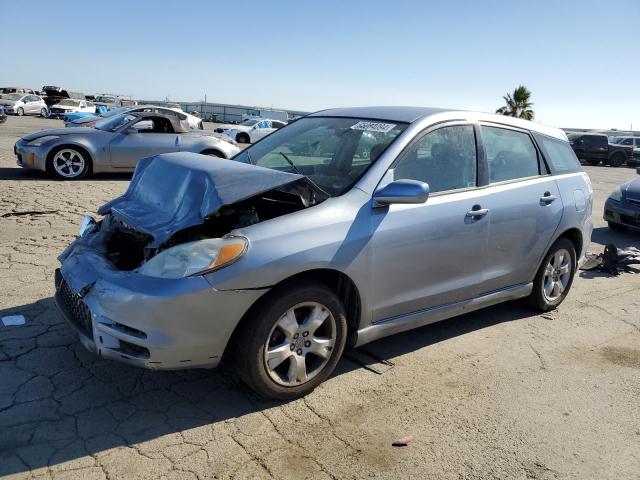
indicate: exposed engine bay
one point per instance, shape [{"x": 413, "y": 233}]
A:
[
  {"x": 182, "y": 197},
  {"x": 128, "y": 248}
]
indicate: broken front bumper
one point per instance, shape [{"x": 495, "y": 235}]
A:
[{"x": 145, "y": 321}]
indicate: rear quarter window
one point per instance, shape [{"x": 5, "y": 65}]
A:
[{"x": 559, "y": 154}]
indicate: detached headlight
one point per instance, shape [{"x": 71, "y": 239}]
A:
[
  {"x": 616, "y": 195},
  {"x": 40, "y": 140},
  {"x": 195, "y": 258}
]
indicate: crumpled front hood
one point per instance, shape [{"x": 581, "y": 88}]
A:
[{"x": 174, "y": 191}]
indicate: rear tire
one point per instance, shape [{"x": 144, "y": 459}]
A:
[
  {"x": 44, "y": 113},
  {"x": 280, "y": 363},
  {"x": 617, "y": 227},
  {"x": 617, "y": 160},
  {"x": 554, "y": 277},
  {"x": 20, "y": 111}
]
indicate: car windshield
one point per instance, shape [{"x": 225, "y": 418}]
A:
[
  {"x": 333, "y": 153},
  {"x": 69, "y": 103},
  {"x": 250, "y": 122},
  {"x": 114, "y": 123},
  {"x": 12, "y": 96}
]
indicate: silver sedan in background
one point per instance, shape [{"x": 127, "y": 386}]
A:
[{"x": 116, "y": 144}]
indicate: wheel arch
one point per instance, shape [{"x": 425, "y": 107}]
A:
[
  {"x": 339, "y": 282},
  {"x": 575, "y": 236},
  {"x": 208, "y": 151}
]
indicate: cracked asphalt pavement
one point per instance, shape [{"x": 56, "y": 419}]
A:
[{"x": 501, "y": 393}]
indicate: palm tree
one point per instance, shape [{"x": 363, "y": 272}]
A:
[{"x": 518, "y": 104}]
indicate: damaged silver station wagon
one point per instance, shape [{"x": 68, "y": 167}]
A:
[{"x": 343, "y": 227}]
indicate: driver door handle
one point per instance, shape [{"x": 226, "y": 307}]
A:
[
  {"x": 547, "y": 198},
  {"x": 477, "y": 212}
]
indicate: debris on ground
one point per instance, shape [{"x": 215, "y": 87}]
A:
[
  {"x": 369, "y": 360},
  {"x": 403, "y": 442},
  {"x": 613, "y": 260},
  {"x": 13, "y": 320}
]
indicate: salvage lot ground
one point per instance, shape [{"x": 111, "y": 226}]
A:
[{"x": 501, "y": 393}]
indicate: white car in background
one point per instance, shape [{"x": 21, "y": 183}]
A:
[
  {"x": 251, "y": 130},
  {"x": 71, "y": 105},
  {"x": 21, "y": 104}
]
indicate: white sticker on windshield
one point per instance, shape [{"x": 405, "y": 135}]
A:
[{"x": 374, "y": 126}]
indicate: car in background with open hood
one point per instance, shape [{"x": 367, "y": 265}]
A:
[
  {"x": 115, "y": 144},
  {"x": 70, "y": 105},
  {"x": 303, "y": 244}
]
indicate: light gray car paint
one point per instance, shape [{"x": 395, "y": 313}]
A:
[{"x": 403, "y": 259}]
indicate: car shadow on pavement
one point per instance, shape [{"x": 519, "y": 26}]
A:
[
  {"x": 59, "y": 403},
  {"x": 620, "y": 238},
  {"x": 17, "y": 173}
]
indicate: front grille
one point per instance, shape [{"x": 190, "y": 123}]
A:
[
  {"x": 57, "y": 110},
  {"x": 630, "y": 220},
  {"x": 75, "y": 308}
]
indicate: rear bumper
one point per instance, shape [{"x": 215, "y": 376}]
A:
[
  {"x": 622, "y": 214},
  {"x": 144, "y": 321}
]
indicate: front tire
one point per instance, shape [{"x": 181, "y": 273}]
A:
[
  {"x": 292, "y": 341},
  {"x": 554, "y": 277},
  {"x": 20, "y": 111},
  {"x": 68, "y": 163},
  {"x": 617, "y": 160}
]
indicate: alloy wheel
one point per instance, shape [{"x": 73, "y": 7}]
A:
[
  {"x": 68, "y": 163},
  {"x": 300, "y": 344},
  {"x": 557, "y": 275}
]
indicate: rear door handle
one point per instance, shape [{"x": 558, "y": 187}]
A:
[
  {"x": 477, "y": 212},
  {"x": 547, "y": 198}
]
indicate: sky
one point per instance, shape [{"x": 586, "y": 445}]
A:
[{"x": 579, "y": 58}]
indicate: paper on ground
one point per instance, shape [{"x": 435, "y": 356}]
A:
[{"x": 13, "y": 320}]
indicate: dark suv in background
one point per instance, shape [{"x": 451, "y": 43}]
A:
[
  {"x": 633, "y": 142},
  {"x": 593, "y": 148}
]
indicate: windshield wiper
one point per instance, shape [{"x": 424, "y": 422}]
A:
[
  {"x": 314, "y": 184},
  {"x": 291, "y": 163}
]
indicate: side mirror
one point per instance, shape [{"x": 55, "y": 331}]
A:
[
  {"x": 131, "y": 130},
  {"x": 402, "y": 191}
]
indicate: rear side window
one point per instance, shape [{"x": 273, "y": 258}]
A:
[
  {"x": 510, "y": 154},
  {"x": 559, "y": 154}
]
